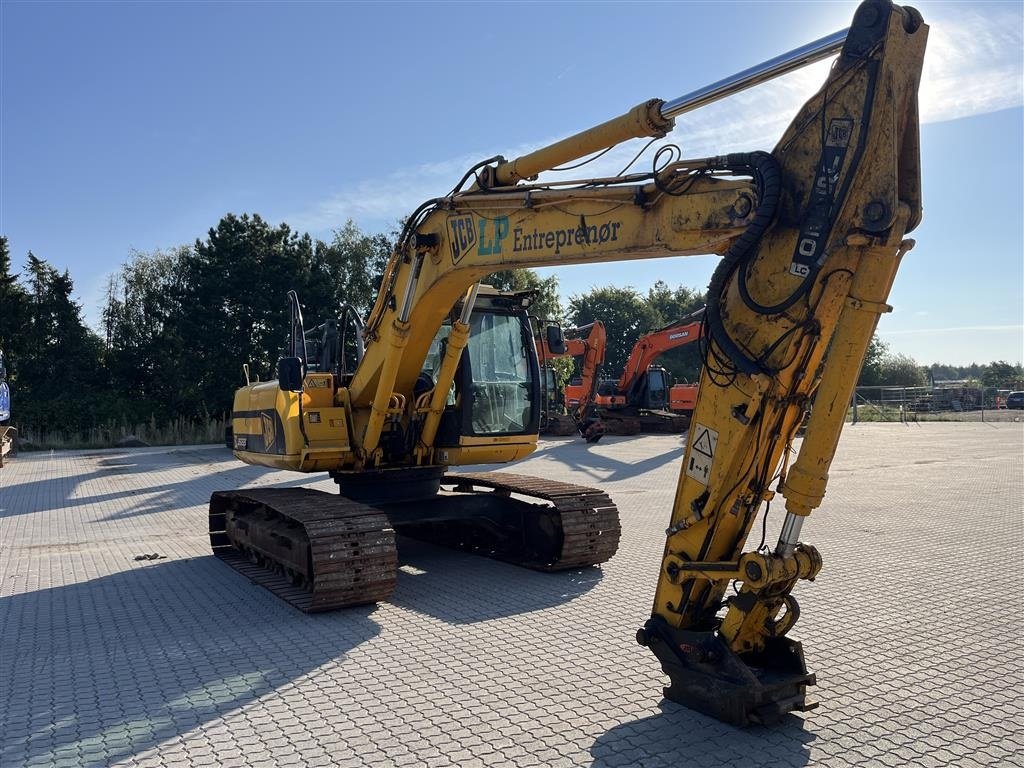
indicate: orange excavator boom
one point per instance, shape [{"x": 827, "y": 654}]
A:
[
  {"x": 649, "y": 347},
  {"x": 587, "y": 342}
]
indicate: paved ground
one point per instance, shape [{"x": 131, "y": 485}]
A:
[{"x": 914, "y": 627}]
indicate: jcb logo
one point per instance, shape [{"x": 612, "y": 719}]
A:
[
  {"x": 467, "y": 232},
  {"x": 462, "y": 234}
]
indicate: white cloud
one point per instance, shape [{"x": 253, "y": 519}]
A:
[
  {"x": 396, "y": 195},
  {"x": 973, "y": 66},
  {"x": 973, "y": 63}
]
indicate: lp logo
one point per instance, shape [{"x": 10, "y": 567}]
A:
[
  {"x": 492, "y": 245},
  {"x": 464, "y": 236}
]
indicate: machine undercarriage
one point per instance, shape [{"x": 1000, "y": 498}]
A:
[{"x": 322, "y": 551}]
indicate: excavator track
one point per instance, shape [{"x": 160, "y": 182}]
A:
[
  {"x": 317, "y": 551},
  {"x": 321, "y": 551},
  {"x": 582, "y": 522},
  {"x": 615, "y": 424},
  {"x": 560, "y": 425},
  {"x": 664, "y": 422}
]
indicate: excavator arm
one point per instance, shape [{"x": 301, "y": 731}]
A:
[
  {"x": 588, "y": 343},
  {"x": 579, "y": 396},
  {"x": 810, "y": 245},
  {"x": 788, "y": 323}
]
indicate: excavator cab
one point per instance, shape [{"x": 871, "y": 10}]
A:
[
  {"x": 657, "y": 384},
  {"x": 497, "y": 387}
]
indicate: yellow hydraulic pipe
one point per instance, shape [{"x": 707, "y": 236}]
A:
[
  {"x": 805, "y": 482},
  {"x": 396, "y": 340},
  {"x": 457, "y": 340},
  {"x": 643, "y": 120}
]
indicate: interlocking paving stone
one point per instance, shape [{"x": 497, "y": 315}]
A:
[{"x": 913, "y": 627}]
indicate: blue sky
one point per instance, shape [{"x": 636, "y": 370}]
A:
[{"x": 137, "y": 126}]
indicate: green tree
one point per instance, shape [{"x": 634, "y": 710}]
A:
[
  {"x": 546, "y": 306},
  {"x": 14, "y": 313},
  {"x": 871, "y": 370},
  {"x": 940, "y": 372},
  {"x": 347, "y": 270},
  {"x": 143, "y": 354},
  {"x": 231, "y": 308},
  {"x": 674, "y": 303},
  {"x": 1000, "y": 373},
  {"x": 900, "y": 370},
  {"x": 626, "y": 315},
  {"x": 61, "y": 380}
]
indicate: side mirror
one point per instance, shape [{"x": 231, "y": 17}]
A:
[
  {"x": 556, "y": 340},
  {"x": 289, "y": 374}
]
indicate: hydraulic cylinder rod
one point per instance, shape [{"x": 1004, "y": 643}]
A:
[
  {"x": 748, "y": 78},
  {"x": 656, "y": 118}
]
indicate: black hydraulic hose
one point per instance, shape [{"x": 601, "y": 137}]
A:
[
  {"x": 347, "y": 311},
  {"x": 298, "y": 337},
  {"x": 768, "y": 179},
  {"x": 782, "y": 306}
]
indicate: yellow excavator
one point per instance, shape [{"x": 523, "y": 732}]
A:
[{"x": 443, "y": 372}]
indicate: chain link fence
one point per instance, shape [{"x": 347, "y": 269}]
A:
[{"x": 936, "y": 403}]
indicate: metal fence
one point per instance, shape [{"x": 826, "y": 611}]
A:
[{"x": 937, "y": 403}]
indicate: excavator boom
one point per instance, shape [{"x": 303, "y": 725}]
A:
[{"x": 651, "y": 346}]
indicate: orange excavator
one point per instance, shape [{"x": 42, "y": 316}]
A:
[
  {"x": 566, "y": 411},
  {"x": 642, "y": 398}
]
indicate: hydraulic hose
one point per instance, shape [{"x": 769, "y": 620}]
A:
[{"x": 768, "y": 179}]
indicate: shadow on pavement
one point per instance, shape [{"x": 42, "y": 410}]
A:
[
  {"x": 682, "y": 737},
  {"x": 104, "y": 669},
  {"x": 587, "y": 458},
  {"x": 461, "y": 588},
  {"x": 213, "y": 470}
]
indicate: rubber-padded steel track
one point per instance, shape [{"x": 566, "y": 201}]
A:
[
  {"x": 648, "y": 422},
  {"x": 589, "y": 518},
  {"x": 559, "y": 424},
  {"x": 664, "y": 422},
  {"x": 339, "y": 552}
]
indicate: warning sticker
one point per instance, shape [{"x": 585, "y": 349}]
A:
[{"x": 702, "y": 453}]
